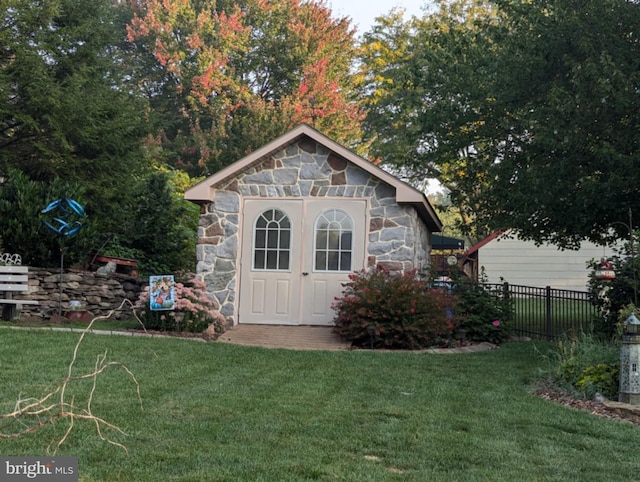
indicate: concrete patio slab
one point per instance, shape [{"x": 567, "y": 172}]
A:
[{"x": 305, "y": 337}]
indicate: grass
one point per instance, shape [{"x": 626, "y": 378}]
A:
[
  {"x": 567, "y": 316},
  {"x": 219, "y": 412},
  {"x": 109, "y": 325}
]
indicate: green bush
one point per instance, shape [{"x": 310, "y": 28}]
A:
[
  {"x": 484, "y": 313},
  {"x": 610, "y": 296},
  {"x": 193, "y": 310},
  {"x": 21, "y": 227},
  {"x": 405, "y": 312},
  {"x": 163, "y": 226},
  {"x": 150, "y": 221},
  {"x": 158, "y": 228},
  {"x": 586, "y": 364},
  {"x": 602, "y": 378}
]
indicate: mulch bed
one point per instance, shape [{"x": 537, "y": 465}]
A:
[{"x": 600, "y": 409}]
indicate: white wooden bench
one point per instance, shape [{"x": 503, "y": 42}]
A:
[{"x": 13, "y": 280}]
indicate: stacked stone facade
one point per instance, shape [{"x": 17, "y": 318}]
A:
[
  {"x": 398, "y": 239},
  {"x": 99, "y": 294}
]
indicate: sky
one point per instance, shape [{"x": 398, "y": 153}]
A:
[{"x": 364, "y": 12}]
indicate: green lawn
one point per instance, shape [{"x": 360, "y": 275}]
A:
[
  {"x": 99, "y": 324},
  {"x": 567, "y": 316},
  {"x": 214, "y": 411}
]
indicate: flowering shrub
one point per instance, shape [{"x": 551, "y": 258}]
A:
[
  {"x": 404, "y": 311},
  {"x": 485, "y": 315},
  {"x": 193, "y": 310}
]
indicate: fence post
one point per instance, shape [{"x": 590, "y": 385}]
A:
[
  {"x": 548, "y": 314},
  {"x": 505, "y": 290}
]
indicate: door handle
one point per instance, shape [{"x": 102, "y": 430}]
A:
[{"x": 304, "y": 273}]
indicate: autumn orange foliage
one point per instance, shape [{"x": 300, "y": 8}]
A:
[{"x": 244, "y": 72}]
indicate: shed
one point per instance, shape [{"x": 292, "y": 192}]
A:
[{"x": 282, "y": 228}]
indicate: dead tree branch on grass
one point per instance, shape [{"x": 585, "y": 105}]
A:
[{"x": 32, "y": 414}]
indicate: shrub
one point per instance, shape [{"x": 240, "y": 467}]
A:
[
  {"x": 21, "y": 227},
  {"x": 162, "y": 246},
  {"x": 404, "y": 311},
  {"x": 144, "y": 234},
  {"x": 484, "y": 313},
  {"x": 603, "y": 378},
  {"x": 610, "y": 296},
  {"x": 586, "y": 364},
  {"x": 193, "y": 312}
]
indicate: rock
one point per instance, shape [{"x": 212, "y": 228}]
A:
[
  {"x": 107, "y": 270},
  {"x": 598, "y": 397}
]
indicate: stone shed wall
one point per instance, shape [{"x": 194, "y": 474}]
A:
[{"x": 397, "y": 237}]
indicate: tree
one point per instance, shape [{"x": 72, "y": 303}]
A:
[
  {"x": 163, "y": 226},
  {"x": 71, "y": 125},
  {"x": 527, "y": 111},
  {"x": 447, "y": 212},
  {"x": 23, "y": 232},
  {"x": 614, "y": 297},
  {"x": 66, "y": 108},
  {"x": 230, "y": 76},
  {"x": 386, "y": 87}
]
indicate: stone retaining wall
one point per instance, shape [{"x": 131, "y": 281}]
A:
[{"x": 99, "y": 293}]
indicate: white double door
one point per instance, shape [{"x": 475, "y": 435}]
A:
[{"x": 295, "y": 255}]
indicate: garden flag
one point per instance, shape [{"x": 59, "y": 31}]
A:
[{"x": 161, "y": 292}]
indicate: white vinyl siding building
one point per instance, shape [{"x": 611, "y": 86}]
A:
[{"x": 523, "y": 263}]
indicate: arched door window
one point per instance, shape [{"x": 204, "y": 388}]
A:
[
  {"x": 272, "y": 241},
  {"x": 333, "y": 241}
]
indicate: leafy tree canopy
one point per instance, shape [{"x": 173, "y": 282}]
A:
[
  {"x": 23, "y": 232},
  {"x": 230, "y": 76},
  {"x": 71, "y": 125},
  {"x": 66, "y": 109},
  {"x": 527, "y": 111}
]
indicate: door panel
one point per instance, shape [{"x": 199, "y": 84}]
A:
[
  {"x": 257, "y": 296},
  {"x": 270, "y": 267},
  {"x": 319, "y": 296},
  {"x": 328, "y": 267},
  {"x": 289, "y": 273},
  {"x": 283, "y": 297}
]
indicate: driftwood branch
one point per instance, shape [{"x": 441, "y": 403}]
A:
[{"x": 32, "y": 414}]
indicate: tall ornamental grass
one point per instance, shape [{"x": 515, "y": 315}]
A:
[{"x": 585, "y": 365}]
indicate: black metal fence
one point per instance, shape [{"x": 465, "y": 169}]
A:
[{"x": 547, "y": 313}]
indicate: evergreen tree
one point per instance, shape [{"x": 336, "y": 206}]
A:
[{"x": 67, "y": 110}]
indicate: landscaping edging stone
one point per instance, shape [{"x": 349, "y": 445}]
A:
[
  {"x": 476, "y": 348},
  {"x": 624, "y": 407},
  {"x": 105, "y": 332}
]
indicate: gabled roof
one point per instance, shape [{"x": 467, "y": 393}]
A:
[
  {"x": 485, "y": 241},
  {"x": 405, "y": 194}
]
